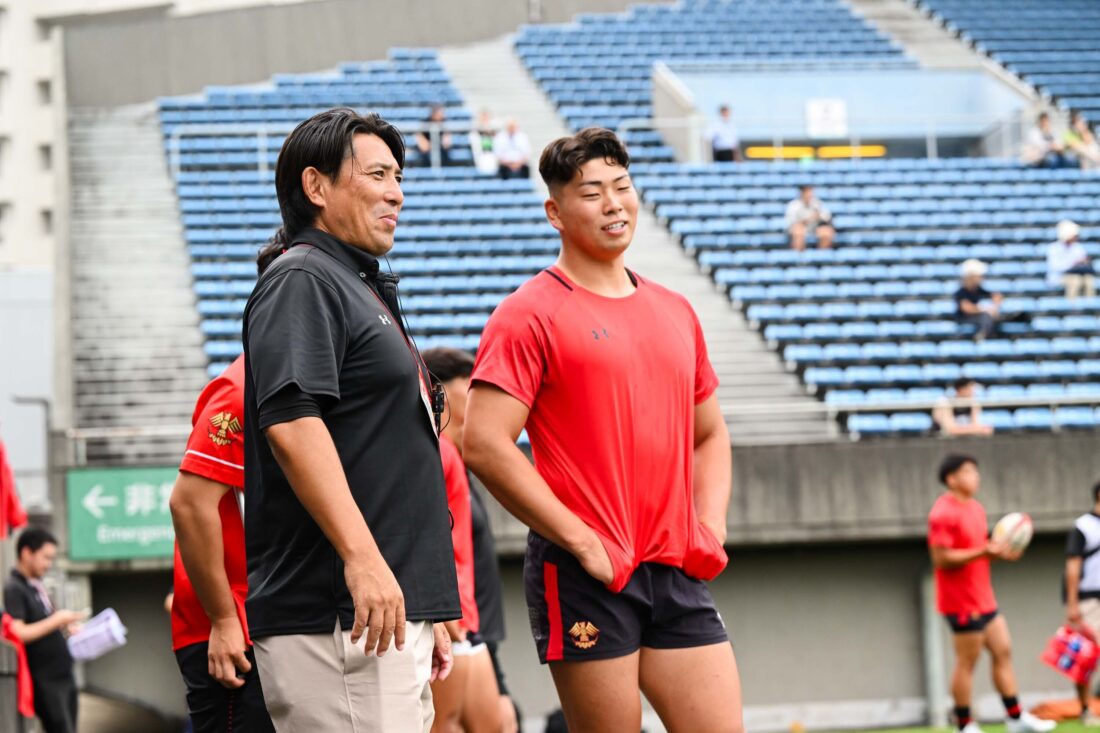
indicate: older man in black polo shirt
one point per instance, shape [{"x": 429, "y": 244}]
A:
[{"x": 346, "y": 524}]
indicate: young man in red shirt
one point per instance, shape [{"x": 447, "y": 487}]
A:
[
  {"x": 958, "y": 541},
  {"x": 627, "y": 499},
  {"x": 210, "y": 577}
]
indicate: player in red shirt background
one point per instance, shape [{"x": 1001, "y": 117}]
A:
[
  {"x": 627, "y": 499},
  {"x": 958, "y": 541},
  {"x": 210, "y": 576},
  {"x": 469, "y": 699}
]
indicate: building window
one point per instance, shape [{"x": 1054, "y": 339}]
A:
[
  {"x": 45, "y": 92},
  {"x": 5, "y": 219},
  {"x": 45, "y": 157},
  {"x": 46, "y": 216}
]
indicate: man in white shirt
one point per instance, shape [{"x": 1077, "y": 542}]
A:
[
  {"x": 805, "y": 212},
  {"x": 513, "y": 150},
  {"x": 1082, "y": 586},
  {"x": 1042, "y": 149},
  {"x": 725, "y": 145},
  {"x": 1068, "y": 264}
]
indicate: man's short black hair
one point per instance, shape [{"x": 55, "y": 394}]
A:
[
  {"x": 952, "y": 463},
  {"x": 324, "y": 142},
  {"x": 33, "y": 538},
  {"x": 1096, "y": 492},
  {"x": 1043, "y": 116},
  {"x": 963, "y": 382},
  {"x": 563, "y": 158},
  {"x": 723, "y": 108},
  {"x": 447, "y": 363},
  {"x": 805, "y": 187}
]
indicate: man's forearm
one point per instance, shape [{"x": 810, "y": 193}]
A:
[
  {"x": 1073, "y": 581},
  {"x": 198, "y": 525},
  {"x": 713, "y": 479},
  {"x": 307, "y": 455},
  {"x": 29, "y": 633},
  {"x": 520, "y": 489},
  {"x": 951, "y": 558}
]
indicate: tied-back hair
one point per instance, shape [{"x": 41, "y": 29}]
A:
[
  {"x": 562, "y": 159},
  {"x": 324, "y": 142},
  {"x": 275, "y": 246}
]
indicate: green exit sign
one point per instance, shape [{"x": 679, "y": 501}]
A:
[{"x": 120, "y": 513}]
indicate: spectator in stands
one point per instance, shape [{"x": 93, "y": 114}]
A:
[
  {"x": 513, "y": 151},
  {"x": 725, "y": 145},
  {"x": 961, "y": 420},
  {"x": 42, "y": 630},
  {"x": 1068, "y": 264},
  {"x": 974, "y": 304},
  {"x": 1080, "y": 139},
  {"x": 433, "y": 127},
  {"x": 807, "y": 212},
  {"x": 1042, "y": 149},
  {"x": 481, "y": 142}
]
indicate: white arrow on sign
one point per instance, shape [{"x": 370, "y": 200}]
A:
[{"x": 94, "y": 502}]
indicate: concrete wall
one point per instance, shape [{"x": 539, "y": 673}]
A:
[
  {"x": 26, "y": 369},
  {"x": 145, "y": 669},
  {"x": 136, "y": 57}
]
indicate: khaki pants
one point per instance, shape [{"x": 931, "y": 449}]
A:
[
  {"x": 1079, "y": 285},
  {"x": 317, "y": 683}
]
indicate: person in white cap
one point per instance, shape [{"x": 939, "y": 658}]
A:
[
  {"x": 1068, "y": 264},
  {"x": 974, "y": 304}
]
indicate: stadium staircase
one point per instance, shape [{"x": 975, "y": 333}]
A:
[
  {"x": 137, "y": 349},
  {"x": 490, "y": 76}
]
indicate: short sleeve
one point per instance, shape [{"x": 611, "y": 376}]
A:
[
  {"x": 297, "y": 335},
  {"x": 1075, "y": 543},
  {"x": 215, "y": 449},
  {"x": 706, "y": 381},
  {"x": 15, "y": 602},
  {"x": 941, "y": 530},
  {"x": 512, "y": 353}
]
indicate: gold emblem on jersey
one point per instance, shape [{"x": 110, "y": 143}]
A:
[
  {"x": 584, "y": 634},
  {"x": 226, "y": 423}
]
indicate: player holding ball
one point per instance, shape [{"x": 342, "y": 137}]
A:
[{"x": 958, "y": 541}]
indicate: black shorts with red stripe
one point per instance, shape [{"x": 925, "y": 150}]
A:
[{"x": 575, "y": 618}]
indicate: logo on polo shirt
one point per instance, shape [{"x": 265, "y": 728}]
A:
[
  {"x": 385, "y": 319},
  {"x": 226, "y": 424},
  {"x": 584, "y": 634}
]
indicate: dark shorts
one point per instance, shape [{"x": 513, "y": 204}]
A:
[
  {"x": 967, "y": 623},
  {"x": 575, "y": 618},
  {"x": 217, "y": 709}
]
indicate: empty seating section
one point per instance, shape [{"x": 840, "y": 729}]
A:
[
  {"x": 597, "y": 69},
  {"x": 1053, "y": 45},
  {"x": 465, "y": 239},
  {"x": 871, "y": 322}
]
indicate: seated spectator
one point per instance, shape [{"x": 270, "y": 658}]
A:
[
  {"x": 434, "y": 127},
  {"x": 1082, "y": 142},
  {"x": 974, "y": 304},
  {"x": 1042, "y": 149},
  {"x": 1068, "y": 264},
  {"x": 513, "y": 151},
  {"x": 481, "y": 142},
  {"x": 725, "y": 145},
  {"x": 806, "y": 212},
  {"x": 958, "y": 420}
]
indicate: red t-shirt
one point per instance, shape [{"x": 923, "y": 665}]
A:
[
  {"x": 215, "y": 451},
  {"x": 462, "y": 532},
  {"x": 612, "y": 385},
  {"x": 961, "y": 525}
]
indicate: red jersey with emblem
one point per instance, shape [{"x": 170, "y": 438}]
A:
[
  {"x": 462, "y": 530},
  {"x": 960, "y": 524},
  {"x": 215, "y": 451},
  {"x": 612, "y": 385}
]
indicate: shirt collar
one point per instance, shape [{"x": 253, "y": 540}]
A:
[{"x": 357, "y": 260}]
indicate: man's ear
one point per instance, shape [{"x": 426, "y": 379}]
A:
[
  {"x": 315, "y": 185},
  {"x": 553, "y": 213}
]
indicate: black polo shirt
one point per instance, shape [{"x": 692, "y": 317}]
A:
[
  {"x": 48, "y": 658},
  {"x": 316, "y": 326}
]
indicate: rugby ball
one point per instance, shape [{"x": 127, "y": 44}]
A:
[{"x": 1014, "y": 530}]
